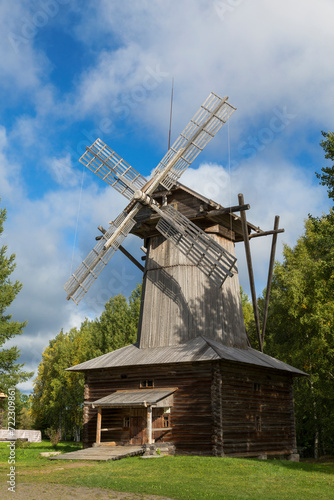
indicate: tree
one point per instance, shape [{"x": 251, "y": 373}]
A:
[
  {"x": 327, "y": 176},
  {"x": 11, "y": 372},
  {"x": 301, "y": 329},
  {"x": 25, "y": 419},
  {"x": 57, "y": 400},
  {"x": 248, "y": 313},
  {"x": 58, "y": 396},
  {"x": 117, "y": 325}
]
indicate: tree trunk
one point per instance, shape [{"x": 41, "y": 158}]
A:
[{"x": 316, "y": 424}]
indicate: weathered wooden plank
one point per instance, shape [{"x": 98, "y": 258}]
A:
[{"x": 179, "y": 302}]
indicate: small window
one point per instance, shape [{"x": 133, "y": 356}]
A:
[
  {"x": 126, "y": 422},
  {"x": 257, "y": 387},
  {"x": 146, "y": 383},
  {"x": 166, "y": 420},
  {"x": 124, "y": 375}
]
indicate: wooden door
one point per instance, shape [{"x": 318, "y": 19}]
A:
[{"x": 137, "y": 430}]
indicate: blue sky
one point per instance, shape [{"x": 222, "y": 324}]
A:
[{"x": 73, "y": 71}]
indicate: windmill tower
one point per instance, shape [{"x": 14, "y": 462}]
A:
[{"x": 192, "y": 378}]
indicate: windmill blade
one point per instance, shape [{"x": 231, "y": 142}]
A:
[
  {"x": 213, "y": 113},
  {"x": 108, "y": 165},
  {"x": 98, "y": 258},
  {"x": 212, "y": 259}
]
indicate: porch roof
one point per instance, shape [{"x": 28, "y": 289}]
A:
[{"x": 136, "y": 398}]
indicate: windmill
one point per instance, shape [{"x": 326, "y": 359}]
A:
[
  {"x": 191, "y": 380},
  {"x": 213, "y": 260}
]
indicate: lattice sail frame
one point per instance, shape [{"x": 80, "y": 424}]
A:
[
  {"x": 80, "y": 281},
  {"x": 110, "y": 167},
  {"x": 213, "y": 113},
  {"x": 212, "y": 259}
]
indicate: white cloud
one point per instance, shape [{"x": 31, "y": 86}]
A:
[
  {"x": 21, "y": 66},
  {"x": 9, "y": 171},
  {"x": 62, "y": 171},
  {"x": 261, "y": 54}
]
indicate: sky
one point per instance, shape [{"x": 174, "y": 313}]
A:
[{"x": 74, "y": 71}]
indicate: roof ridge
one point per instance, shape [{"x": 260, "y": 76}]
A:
[{"x": 212, "y": 346}]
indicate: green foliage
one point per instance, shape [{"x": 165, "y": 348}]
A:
[
  {"x": 54, "y": 436},
  {"x": 58, "y": 396},
  {"x": 248, "y": 313},
  {"x": 26, "y": 420},
  {"x": 327, "y": 176},
  {"x": 301, "y": 328},
  {"x": 117, "y": 325}
]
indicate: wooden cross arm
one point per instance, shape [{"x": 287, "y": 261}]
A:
[{"x": 266, "y": 233}]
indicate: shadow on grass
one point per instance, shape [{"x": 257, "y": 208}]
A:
[
  {"x": 323, "y": 466},
  {"x": 64, "y": 446}
]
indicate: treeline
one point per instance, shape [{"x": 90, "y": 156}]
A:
[
  {"x": 57, "y": 399},
  {"x": 300, "y": 330}
]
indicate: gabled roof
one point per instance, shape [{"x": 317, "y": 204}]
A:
[{"x": 198, "y": 349}]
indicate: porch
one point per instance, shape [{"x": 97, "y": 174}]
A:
[
  {"x": 102, "y": 453},
  {"x": 133, "y": 417}
]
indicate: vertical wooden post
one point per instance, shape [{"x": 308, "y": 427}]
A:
[
  {"x": 149, "y": 424},
  {"x": 250, "y": 270},
  {"x": 98, "y": 426},
  {"x": 270, "y": 276}
]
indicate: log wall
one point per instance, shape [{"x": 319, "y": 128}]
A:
[
  {"x": 257, "y": 411},
  {"x": 190, "y": 416},
  {"x": 219, "y": 408}
]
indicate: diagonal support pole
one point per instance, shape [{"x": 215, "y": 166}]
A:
[
  {"x": 270, "y": 276},
  {"x": 250, "y": 271},
  {"x": 131, "y": 257}
]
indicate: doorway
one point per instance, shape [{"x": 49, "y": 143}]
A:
[{"x": 138, "y": 428}]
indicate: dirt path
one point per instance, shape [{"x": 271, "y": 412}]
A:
[{"x": 38, "y": 491}]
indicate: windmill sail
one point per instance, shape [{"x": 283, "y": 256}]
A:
[
  {"x": 213, "y": 260},
  {"x": 97, "y": 259},
  {"x": 213, "y": 113},
  {"x": 108, "y": 165}
]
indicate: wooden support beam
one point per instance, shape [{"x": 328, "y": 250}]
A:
[
  {"x": 250, "y": 270},
  {"x": 123, "y": 250},
  {"x": 98, "y": 425},
  {"x": 221, "y": 230},
  {"x": 266, "y": 233},
  {"x": 131, "y": 257},
  {"x": 228, "y": 210},
  {"x": 149, "y": 424},
  {"x": 270, "y": 275}
]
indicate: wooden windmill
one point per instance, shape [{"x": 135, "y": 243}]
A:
[{"x": 192, "y": 378}]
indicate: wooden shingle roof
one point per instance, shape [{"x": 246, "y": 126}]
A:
[{"x": 196, "y": 350}]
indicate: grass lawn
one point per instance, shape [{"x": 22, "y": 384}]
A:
[{"x": 179, "y": 477}]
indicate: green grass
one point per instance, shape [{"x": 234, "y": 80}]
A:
[
  {"x": 182, "y": 477},
  {"x": 27, "y": 454}
]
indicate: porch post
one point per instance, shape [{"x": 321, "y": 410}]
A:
[
  {"x": 98, "y": 426},
  {"x": 149, "y": 424}
]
